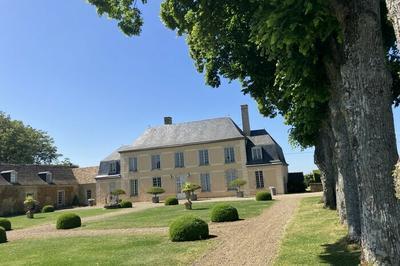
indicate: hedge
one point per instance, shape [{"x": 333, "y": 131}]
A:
[
  {"x": 171, "y": 201},
  {"x": 263, "y": 196},
  {"x": 125, "y": 204},
  {"x": 188, "y": 228},
  {"x": 3, "y": 235},
  {"x": 48, "y": 208},
  {"x": 224, "y": 213},
  {"x": 5, "y": 223},
  {"x": 68, "y": 221}
]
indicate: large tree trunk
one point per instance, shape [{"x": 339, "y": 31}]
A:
[
  {"x": 324, "y": 159},
  {"x": 365, "y": 99},
  {"x": 393, "y": 7}
]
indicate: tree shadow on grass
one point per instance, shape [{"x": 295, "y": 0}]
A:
[
  {"x": 341, "y": 253},
  {"x": 199, "y": 209}
]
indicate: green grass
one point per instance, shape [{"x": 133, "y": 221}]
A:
[
  {"x": 21, "y": 221},
  {"x": 315, "y": 237},
  {"x": 162, "y": 216},
  {"x": 104, "y": 250}
]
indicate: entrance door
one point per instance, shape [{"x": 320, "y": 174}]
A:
[
  {"x": 180, "y": 180},
  {"x": 60, "y": 198}
]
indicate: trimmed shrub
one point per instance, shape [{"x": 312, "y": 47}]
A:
[
  {"x": 125, "y": 204},
  {"x": 68, "y": 221},
  {"x": 3, "y": 235},
  {"x": 188, "y": 228},
  {"x": 171, "y": 201},
  {"x": 263, "y": 196},
  {"x": 5, "y": 223},
  {"x": 224, "y": 213},
  {"x": 48, "y": 208}
]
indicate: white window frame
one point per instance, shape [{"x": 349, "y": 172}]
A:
[
  {"x": 256, "y": 153},
  {"x": 63, "y": 197},
  {"x": 133, "y": 165},
  {"x": 179, "y": 160},
  {"x": 205, "y": 182},
  {"x": 113, "y": 168},
  {"x": 259, "y": 179},
  {"x": 157, "y": 182},
  {"x": 134, "y": 187},
  {"x": 155, "y": 161},
  {"x": 229, "y": 153},
  {"x": 203, "y": 157}
]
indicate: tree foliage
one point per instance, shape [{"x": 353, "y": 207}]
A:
[{"x": 22, "y": 144}]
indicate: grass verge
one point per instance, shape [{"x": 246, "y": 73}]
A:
[
  {"x": 162, "y": 216},
  {"x": 104, "y": 250},
  {"x": 315, "y": 237}
]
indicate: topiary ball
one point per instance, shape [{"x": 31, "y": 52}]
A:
[
  {"x": 48, "y": 208},
  {"x": 224, "y": 213},
  {"x": 68, "y": 221},
  {"x": 5, "y": 223},
  {"x": 125, "y": 204},
  {"x": 3, "y": 235},
  {"x": 171, "y": 201},
  {"x": 188, "y": 228},
  {"x": 263, "y": 196}
]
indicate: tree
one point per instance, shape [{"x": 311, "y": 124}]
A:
[
  {"x": 189, "y": 189},
  {"x": 314, "y": 62},
  {"x": 30, "y": 205},
  {"x": 238, "y": 183},
  {"x": 117, "y": 193},
  {"x": 21, "y": 144}
]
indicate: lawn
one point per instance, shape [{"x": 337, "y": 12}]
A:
[
  {"x": 21, "y": 221},
  {"x": 162, "y": 216},
  {"x": 104, "y": 250},
  {"x": 315, "y": 237}
]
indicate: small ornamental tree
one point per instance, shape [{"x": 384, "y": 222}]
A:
[
  {"x": 30, "y": 205},
  {"x": 396, "y": 176},
  {"x": 117, "y": 193},
  {"x": 155, "y": 191},
  {"x": 238, "y": 183},
  {"x": 189, "y": 189}
]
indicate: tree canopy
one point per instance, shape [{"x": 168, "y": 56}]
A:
[{"x": 22, "y": 144}]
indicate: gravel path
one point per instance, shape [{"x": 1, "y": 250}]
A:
[{"x": 253, "y": 241}]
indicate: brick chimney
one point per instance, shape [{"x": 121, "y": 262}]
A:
[
  {"x": 245, "y": 119},
  {"x": 167, "y": 120}
]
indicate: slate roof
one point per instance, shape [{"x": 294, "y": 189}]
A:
[
  {"x": 28, "y": 174},
  {"x": 272, "y": 152},
  {"x": 86, "y": 175},
  {"x": 196, "y": 132}
]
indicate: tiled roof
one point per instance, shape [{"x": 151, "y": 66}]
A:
[{"x": 86, "y": 175}]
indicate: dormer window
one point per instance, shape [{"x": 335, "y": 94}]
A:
[
  {"x": 46, "y": 177},
  {"x": 256, "y": 153},
  {"x": 113, "y": 168},
  {"x": 11, "y": 176}
]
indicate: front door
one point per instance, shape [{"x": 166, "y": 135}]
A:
[
  {"x": 180, "y": 180},
  {"x": 60, "y": 198}
]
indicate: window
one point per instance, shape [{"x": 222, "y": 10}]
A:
[
  {"x": 229, "y": 155},
  {"x": 230, "y": 175},
  {"x": 205, "y": 182},
  {"x": 157, "y": 181},
  {"x": 179, "y": 160},
  {"x": 203, "y": 157},
  {"x": 134, "y": 187},
  {"x": 13, "y": 177},
  {"x": 133, "y": 164},
  {"x": 259, "y": 179},
  {"x": 256, "y": 153},
  {"x": 60, "y": 198},
  {"x": 112, "y": 187},
  {"x": 155, "y": 162},
  {"x": 88, "y": 194},
  {"x": 113, "y": 168}
]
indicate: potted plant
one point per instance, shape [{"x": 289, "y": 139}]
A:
[
  {"x": 237, "y": 183},
  {"x": 30, "y": 205},
  {"x": 155, "y": 191},
  {"x": 188, "y": 189}
]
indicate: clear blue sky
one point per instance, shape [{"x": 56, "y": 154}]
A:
[{"x": 75, "y": 75}]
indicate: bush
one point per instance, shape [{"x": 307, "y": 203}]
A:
[
  {"x": 3, "y": 235},
  {"x": 68, "y": 221},
  {"x": 125, "y": 204},
  {"x": 48, "y": 208},
  {"x": 224, "y": 213},
  {"x": 155, "y": 190},
  {"x": 5, "y": 223},
  {"x": 171, "y": 201},
  {"x": 188, "y": 228},
  {"x": 263, "y": 196}
]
